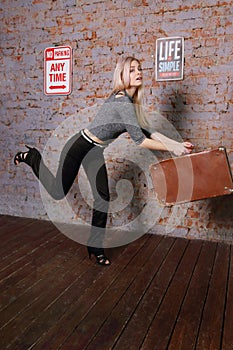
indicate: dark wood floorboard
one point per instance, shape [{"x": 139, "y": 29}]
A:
[{"x": 159, "y": 292}]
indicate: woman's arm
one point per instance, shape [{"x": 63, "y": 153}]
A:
[{"x": 160, "y": 142}]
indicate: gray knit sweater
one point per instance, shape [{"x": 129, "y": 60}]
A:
[{"x": 116, "y": 116}]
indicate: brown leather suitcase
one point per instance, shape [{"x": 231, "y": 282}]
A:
[{"x": 192, "y": 177}]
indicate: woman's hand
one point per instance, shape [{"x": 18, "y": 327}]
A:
[
  {"x": 160, "y": 142},
  {"x": 182, "y": 148}
]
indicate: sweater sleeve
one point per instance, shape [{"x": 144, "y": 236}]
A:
[
  {"x": 146, "y": 133},
  {"x": 127, "y": 113}
]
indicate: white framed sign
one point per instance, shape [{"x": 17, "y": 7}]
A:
[
  {"x": 169, "y": 58},
  {"x": 58, "y": 70}
]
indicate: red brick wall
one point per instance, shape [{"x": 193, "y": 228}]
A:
[{"x": 200, "y": 106}]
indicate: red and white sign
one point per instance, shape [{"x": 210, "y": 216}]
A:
[{"x": 58, "y": 70}]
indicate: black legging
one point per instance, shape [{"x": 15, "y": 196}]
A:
[{"x": 78, "y": 151}]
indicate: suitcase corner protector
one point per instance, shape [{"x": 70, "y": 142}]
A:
[
  {"x": 229, "y": 190},
  {"x": 221, "y": 148}
]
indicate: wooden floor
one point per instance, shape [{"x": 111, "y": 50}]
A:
[{"x": 159, "y": 293}]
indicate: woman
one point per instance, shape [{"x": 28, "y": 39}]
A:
[{"x": 122, "y": 112}]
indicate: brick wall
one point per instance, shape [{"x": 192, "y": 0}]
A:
[{"x": 199, "y": 107}]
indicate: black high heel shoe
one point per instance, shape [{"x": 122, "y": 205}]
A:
[
  {"x": 101, "y": 259},
  {"x": 21, "y": 157}
]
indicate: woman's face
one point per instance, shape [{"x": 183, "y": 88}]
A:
[{"x": 135, "y": 74}]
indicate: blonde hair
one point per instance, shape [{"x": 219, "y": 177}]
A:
[{"x": 121, "y": 81}]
